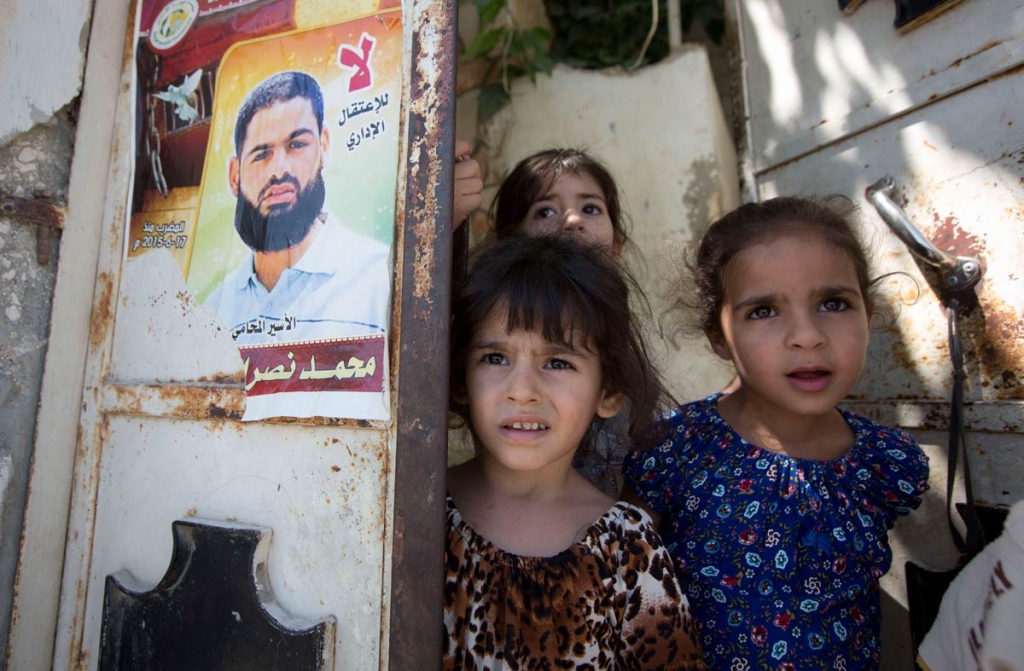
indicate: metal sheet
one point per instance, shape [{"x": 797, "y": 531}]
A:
[
  {"x": 818, "y": 75},
  {"x": 318, "y": 488}
]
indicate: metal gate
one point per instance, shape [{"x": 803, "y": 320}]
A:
[{"x": 143, "y": 394}]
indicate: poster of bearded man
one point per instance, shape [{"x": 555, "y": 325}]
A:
[{"x": 294, "y": 214}]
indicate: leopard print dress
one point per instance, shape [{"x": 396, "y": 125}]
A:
[{"x": 611, "y": 601}]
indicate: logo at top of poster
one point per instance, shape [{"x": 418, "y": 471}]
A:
[
  {"x": 358, "y": 61},
  {"x": 172, "y": 23}
]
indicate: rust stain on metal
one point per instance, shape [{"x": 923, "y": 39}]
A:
[
  {"x": 398, "y": 550},
  {"x": 128, "y": 52},
  {"x": 91, "y": 485},
  {"x": 102, "y": 311},
  {"x": 41, "y": 210},
  {"x": 198, "y": 402},
  {"x": 958, "y": 62},
  {"x": 232, "y": 378},
  {"x": 115, "y": 151},
  {"x": 128, "y": 402},
  {"x": 1012, "y": 72},
  {"x": 218, "y": 412},
  {"x": 900, "y": 352},
  {"x": 997, "y": 334},
  {"x": 950, "y": 237},
  {"x": 430, "y": 120}
]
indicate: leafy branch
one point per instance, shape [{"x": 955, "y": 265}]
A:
[
  {"x": 513, "y": 52},
  {"x": 590, "y": 34}
]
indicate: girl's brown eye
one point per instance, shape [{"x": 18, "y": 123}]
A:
[{"x": 834, "y": 305}]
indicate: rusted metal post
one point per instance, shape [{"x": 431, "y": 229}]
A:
[
  {"x": 40, "y": 210},
  {"x": 422, "y": 397}
]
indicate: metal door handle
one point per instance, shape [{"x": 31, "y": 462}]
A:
[{"x": 958, "y": 272}]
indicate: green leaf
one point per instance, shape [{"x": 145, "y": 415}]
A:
[
  {"x": 492, "y": 98},
  {"x": 488, "y": 9},
  {"x": 536, "y": 39},
  {"x": 484, "y": 5},
  {"x": 543, "y": 64},
  {"x": 515, "y": 47},
  {"x": 484, "y": 42}
]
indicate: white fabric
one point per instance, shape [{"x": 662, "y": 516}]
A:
[{"x": 981, "y": 621}]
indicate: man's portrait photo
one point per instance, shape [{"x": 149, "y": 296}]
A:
[
  {"x": 306, "y": 275},
  {"x": 295, "y": 215}
]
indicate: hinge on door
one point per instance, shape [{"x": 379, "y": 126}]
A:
[{"x": 43, "y": 211}]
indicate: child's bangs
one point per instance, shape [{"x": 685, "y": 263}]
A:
[{"x": 559, "y": 313}]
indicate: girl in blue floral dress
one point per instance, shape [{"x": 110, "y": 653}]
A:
[{"x": 775, "y": 503}]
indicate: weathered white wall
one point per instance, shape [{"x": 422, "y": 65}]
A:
[{"x": 42, "y": 54}]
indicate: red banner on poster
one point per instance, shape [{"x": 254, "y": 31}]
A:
[{"x": 352, "y": 364}]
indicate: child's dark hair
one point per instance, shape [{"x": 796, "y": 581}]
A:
[
  {"x": 754, "y": 223},
  {"x": 567, "y": 291},
  {"x": 531, "y": 179}
]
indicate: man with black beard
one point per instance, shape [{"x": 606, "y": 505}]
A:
[{"x": 307, "y": 276}]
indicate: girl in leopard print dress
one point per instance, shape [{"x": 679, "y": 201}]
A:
[{"x": 543, "y": 570}]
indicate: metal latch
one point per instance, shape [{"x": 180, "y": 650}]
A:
[{"x": 958, "y": 274}]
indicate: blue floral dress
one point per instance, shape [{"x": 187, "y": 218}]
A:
[{"x": 780, "y": 556}]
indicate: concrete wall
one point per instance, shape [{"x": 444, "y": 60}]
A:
[
  {"x": 37, "y": 127},
  {"x": 39, "y": 36}
]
